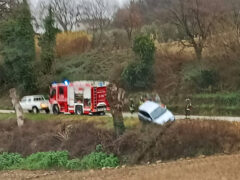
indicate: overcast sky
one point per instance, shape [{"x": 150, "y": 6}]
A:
[{"x": 121, "y": 2}]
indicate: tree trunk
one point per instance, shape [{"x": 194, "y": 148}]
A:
[
  {"x": 17, "y": 107},
  {"x": 118, "y": 122},
  {"x": 116, "y": 97},
  {"x": 198, "y": 51}
]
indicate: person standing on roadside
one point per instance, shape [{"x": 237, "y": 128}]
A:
[
  {"x": 157, "y": 99},
  {"x": 132, "y": 106},
  {"x": 141, "y": 101},
  {"x": 188, "y": 108}
]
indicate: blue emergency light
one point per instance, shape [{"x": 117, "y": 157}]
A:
[{"x": 66, "y": 82}]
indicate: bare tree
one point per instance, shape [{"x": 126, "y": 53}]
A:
[
  {"x": 65, "y": 12},
  {"x": 97, "y": 14},
  {"x": 196, "y": 19},
  {"x": 129, "y": 18},
  {"x": 17, "y": 107},
  {"x": 235, "y": 19},
  {"x": 228, "y": 37}
]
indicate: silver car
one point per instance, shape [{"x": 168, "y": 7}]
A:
[{"x": 153, "y": 112}]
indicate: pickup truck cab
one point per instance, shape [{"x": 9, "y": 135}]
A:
[{"x": 35, "y": 104}]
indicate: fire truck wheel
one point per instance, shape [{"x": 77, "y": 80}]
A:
[
  {"x": 102, "y": 113},
  {"x": 35, "y": 110},
  {"x": 55, "y": 109},
  {"x": 78, "y": 110}
]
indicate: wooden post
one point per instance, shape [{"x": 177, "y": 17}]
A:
[{"x": 17, "y": 107}]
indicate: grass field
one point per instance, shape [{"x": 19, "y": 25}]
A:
[{"x": 105, "y": 122}]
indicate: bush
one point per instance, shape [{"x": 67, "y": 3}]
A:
[
  {"x": 99, "y": 160},
  {"x": 8, "y": 160},
  {"x": 184, "y": 138},
  {"x": 202, "y": 79},
  {"x": 58, "y": 159},
  {"x": 46, "y": 160},
  {"x": 94, "y": 160},
  {"x": 139, "y": 74}
]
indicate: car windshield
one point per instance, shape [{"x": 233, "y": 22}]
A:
[{"x": 157, "y": 112}]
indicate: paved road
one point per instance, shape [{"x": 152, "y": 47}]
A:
[
  {"x": 6, "y": 111},
  {"x": 221, "y": 118}
]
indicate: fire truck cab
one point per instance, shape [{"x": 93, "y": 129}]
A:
[{"x": 79, "y": 97}]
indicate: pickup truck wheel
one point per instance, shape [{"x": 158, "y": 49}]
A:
[
  {"x": 56, "y": 109},
  {"x": 78, "y": 110},
  {"x": 35, "y": 110},
  {"x": 47, "y": 111}
]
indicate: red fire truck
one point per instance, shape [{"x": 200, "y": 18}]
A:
[{"x": 79, "y": 97}]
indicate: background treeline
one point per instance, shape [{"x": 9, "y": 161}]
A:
[{"x": 196, "y": 44}]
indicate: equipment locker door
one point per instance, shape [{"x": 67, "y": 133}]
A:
[{"x": 70, "y": 96}]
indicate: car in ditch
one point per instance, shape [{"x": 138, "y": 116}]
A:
[
  {"x": 35, "y": 104},
  {"x": 154, "y": 113}
]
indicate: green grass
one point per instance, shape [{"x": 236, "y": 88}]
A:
[
  {"x": 57, "y": 160},
  {"x": 218, "y": 104},
  {"x": 220, "y": 99},
  {"x": 105, "y": 122}
]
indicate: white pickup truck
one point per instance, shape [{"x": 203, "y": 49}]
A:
[{"x": 35, "y": 104}]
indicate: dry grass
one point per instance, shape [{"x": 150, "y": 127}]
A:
[
  {"x": 71, "y": 43},
  {"x": 212, "y": 168}
]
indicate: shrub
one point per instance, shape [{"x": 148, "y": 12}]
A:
[
  {"x": 139, "y": 74},
  {"x": 8, "y": 160},
  {"x": 58, "y": 159},
  {"x": 201, "y": 78},
  {"x": 98, "y": 160},
  {"x": 74, "y": 164},
  {"x": 46, "y": 160},
  {"x": 94, "y": 160}
]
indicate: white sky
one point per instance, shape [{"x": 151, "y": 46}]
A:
[{"x": 121, "y": 2}]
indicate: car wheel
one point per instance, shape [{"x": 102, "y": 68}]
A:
[
  {"x": 78, "y": 110},
  {"x": 35, "y": 110},
  {"x": 102, "y": 113},
  {"x": 47, "y": 111},
  {"x": 56, "y": 109}
]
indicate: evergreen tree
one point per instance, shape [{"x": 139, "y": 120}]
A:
[
  {"x": 139, "y": 74},
  {"x": 18, "y": 48},
  {"x": 47, "y": 42}
]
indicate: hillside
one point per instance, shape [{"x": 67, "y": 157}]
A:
[{"x": 93, "y": 65}]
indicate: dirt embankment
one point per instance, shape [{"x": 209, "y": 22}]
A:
[
  {"x": 141, "y": 145},
  {"x": 76, "y": 137}
]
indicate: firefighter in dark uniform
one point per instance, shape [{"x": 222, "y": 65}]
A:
[
  {"x": 132, "y": 106},
  {"x": 141, "y": 101},
  {"x": 188, "y": 108}
]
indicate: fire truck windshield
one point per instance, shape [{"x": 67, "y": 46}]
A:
[{"x": 53, "y": 92}]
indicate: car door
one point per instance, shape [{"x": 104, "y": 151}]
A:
[
  {"x": 29, "y": 103},
  {"x": 23, "y": 103}
]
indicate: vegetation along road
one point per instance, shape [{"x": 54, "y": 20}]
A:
[
  {"x": 218, "y": 167},
  {"x": 178, "y": 117}
]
